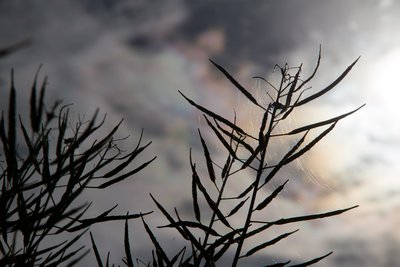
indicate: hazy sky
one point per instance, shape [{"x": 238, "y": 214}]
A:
[{"x": 130, "y": 57}]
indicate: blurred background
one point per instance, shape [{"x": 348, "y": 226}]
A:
[{"x": 130, "y": 58}]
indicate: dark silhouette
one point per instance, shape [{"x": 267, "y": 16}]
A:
[{"x": 42, "y": 177}]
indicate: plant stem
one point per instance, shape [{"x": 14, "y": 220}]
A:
[
  {"x": 225, "y": 180},
  {"x": 260, "y": 170}
]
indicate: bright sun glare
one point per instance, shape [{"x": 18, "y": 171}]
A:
[
  {"x": 384, "y": 80},
  {"x": 383, "y": 94},
  {"x": 365, "y": 146}
]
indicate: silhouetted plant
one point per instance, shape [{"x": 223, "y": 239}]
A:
[
  {"x": 10, "y": 49},
  {"x": 45, "y": 167},
  {"x": 210, "y": 237}
]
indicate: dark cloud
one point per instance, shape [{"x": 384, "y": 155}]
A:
[{"x": 259, "y": 31}]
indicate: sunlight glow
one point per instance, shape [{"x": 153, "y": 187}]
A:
[{"x": 384, "y": 90}]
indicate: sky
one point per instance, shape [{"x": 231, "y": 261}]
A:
[{"x": 130, "y": 58}]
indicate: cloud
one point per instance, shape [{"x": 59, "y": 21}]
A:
[{"x": 130, "y": 57}]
